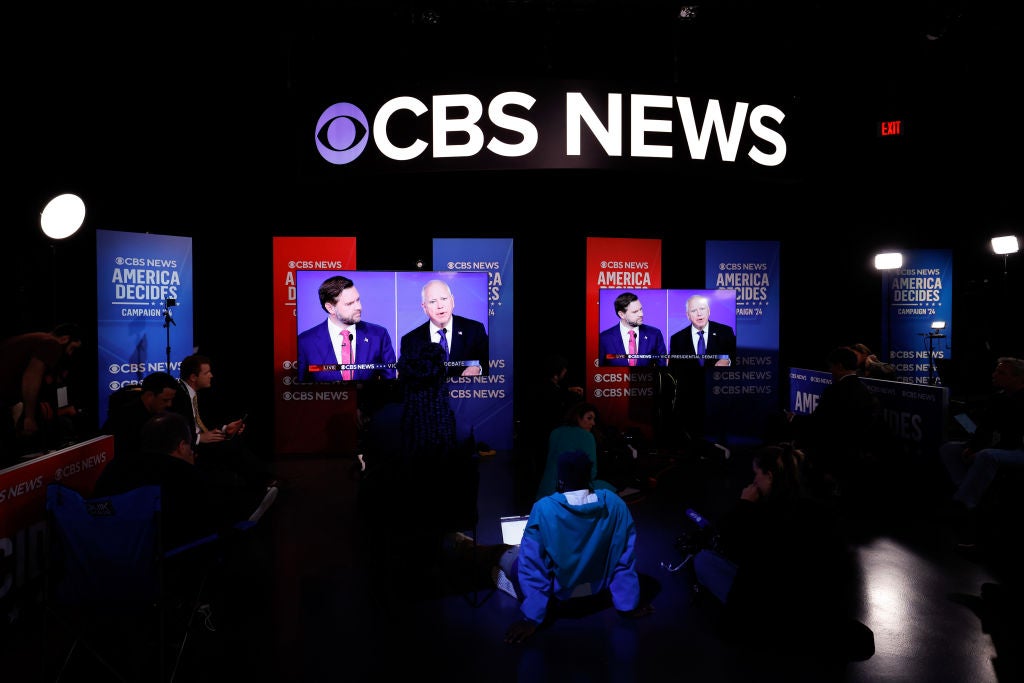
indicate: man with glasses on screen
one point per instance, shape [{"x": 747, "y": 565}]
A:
[
  {"x": 695, "y": 351},
  {"x": 463, "y": 339},
  {"x": 344, "y": 347}
]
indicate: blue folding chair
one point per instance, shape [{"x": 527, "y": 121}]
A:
[{"x": 116, "y": 591}]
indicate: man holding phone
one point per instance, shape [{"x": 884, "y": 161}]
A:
[{"x": 217, "y": 449}]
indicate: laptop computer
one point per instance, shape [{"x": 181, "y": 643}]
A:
[
  {"x": 512, "y": 528},
  {"x": 965, "y": 422}
]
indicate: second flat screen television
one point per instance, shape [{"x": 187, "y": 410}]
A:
[{"x": 664, "y": 316}]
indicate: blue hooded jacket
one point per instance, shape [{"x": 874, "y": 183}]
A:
[{"x": 570, "y": 550}]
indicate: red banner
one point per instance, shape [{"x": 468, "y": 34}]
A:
[
  {"x": 308, "y": 418},
  {"x": 625, "y": 397},
  {"x": 23, "y": 505}
]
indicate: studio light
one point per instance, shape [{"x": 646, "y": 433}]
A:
[
  {"x": 938, "y": 324},
  {"x": 888, "y": 260},
  {"x": 62, "y": 216},
  {"x": 1005, "y": 245}
]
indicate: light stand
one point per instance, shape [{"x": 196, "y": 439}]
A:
[
  {"x": 168, "y": 321},
  {"x": 886, "y": 262},
  {"x": 1004, "y": 246},
  {"x": 936, "y": 333},
  {"x": 932, "y": 336},
  {"x": 60, "y": 218}
]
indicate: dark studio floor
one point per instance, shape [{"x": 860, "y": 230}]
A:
[{"x": 936, "y": 615}]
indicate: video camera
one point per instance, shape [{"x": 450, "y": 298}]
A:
[{"x": 698, "y": 534}]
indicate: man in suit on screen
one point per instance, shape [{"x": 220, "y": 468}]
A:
[
  {"x": 614, "y": 343},
  {"x": 322, "y": 347},
  {"x": 466, "y": 339},
  {"x": 695, "y": 351}
]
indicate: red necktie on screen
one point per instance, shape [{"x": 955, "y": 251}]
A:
[
  {"x": 346, "y": 354},
  {"x": 444, "y": 341},
  {"x": 701, "y": 348},
  {"x": 632, "y": 346}
]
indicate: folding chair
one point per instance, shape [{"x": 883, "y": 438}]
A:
[
  {"x": 108, "y": 581},
  {"x": 104, "y": 580}
]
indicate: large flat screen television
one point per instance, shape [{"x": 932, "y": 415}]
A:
[{"x": 385, "y": 315}]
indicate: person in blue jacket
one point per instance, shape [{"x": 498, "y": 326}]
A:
[{"x": 578, "y": 541}]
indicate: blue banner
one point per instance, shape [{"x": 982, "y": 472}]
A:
[
  {"x": 915, "y": 414},
  {"x": 750, "y": 387},
  {"x": 484, "y": 404},
  {"x": 144, "y": 308},
  {"x": 913, "y": 297}
]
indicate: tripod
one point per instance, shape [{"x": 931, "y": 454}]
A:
[
  {"x": 932, "y": 336},
  {"x": 168, "y": 321}
]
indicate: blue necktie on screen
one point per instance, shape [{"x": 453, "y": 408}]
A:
[
  {"x": 701, "y": 348},
  {"x": 444, "y": 341}
]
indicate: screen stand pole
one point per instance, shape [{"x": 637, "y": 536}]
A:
[{"x": 168, "y": 321}]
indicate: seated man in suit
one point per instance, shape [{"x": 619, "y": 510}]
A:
[
  {"x": 344, "y": 339},
  {"x": 219, "y": 450},
  {"x": 154, "y": 395},
  {"x": 464, "y": 340},
  {"x": 614, "y": 343},
  {"x": 189, "y": 508}
]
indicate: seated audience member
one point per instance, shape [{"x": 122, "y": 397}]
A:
[
  {"x": 575, "y": 434},
  {"x": 840, "y": 436},
  {"x": 219, "y": 447},
  {"x": 235, "y": 570},
  {"x": 997, "y": 445},
  {"x": 578, "y": 542},
  {"x": 869, "y": 365},
  {"x": 125, "y": 420},
  {"x": 780, "y": 556},
  {"x": 548, "y": 399},
  {"x": 190, "y": 507}
]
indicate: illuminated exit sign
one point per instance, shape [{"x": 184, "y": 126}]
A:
[{"x": 891, "y": 129}]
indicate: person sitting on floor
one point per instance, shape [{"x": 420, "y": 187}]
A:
[
  {"x": 576, "y": 433},
  {"x": 578, "y": 542},
  {"x": 781, "y": 555},
  {"x": 994, "y": 449}
]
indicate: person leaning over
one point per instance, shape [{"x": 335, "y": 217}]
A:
[
  {"x": 25, "y": 360},
  {"x": 868, "y": 364},
  {"x": 154, "y": 395},
  {"x": 577, "y": 542}
]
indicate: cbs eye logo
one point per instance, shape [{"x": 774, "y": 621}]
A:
[{"x": 342, "y": 133}]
